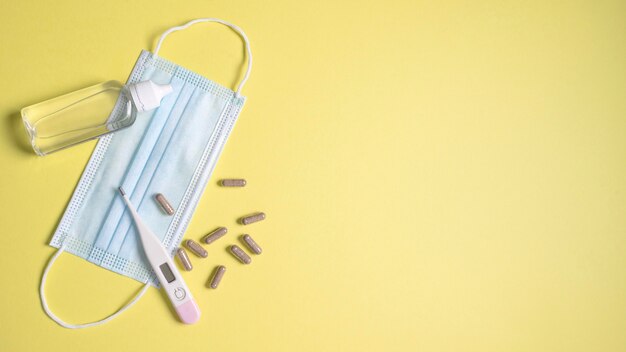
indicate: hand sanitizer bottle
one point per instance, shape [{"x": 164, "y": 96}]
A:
[{"x": 86, "y": 114}]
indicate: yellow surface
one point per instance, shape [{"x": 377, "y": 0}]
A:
[{"x": 438, "y": 176}]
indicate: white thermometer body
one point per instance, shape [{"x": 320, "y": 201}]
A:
[{"x": 169, "y": 277}]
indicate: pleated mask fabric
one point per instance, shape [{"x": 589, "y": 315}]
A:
[{"x": 170, "y": 150}]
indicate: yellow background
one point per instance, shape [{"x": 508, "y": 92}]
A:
[{"x": 438, "y": 176}]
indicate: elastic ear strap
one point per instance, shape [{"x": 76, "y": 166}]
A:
[
  {"x": 44, "y": 302},
  {"x": 232, "y": 26}
]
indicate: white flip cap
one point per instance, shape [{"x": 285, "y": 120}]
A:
[{"x": 147, "y": 95}]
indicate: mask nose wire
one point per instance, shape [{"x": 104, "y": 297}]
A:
[
  {"x": 216, "y": 20},
  {"x": 44, "y": 301}
]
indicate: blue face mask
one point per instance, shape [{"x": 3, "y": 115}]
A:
[{"x": 171, "y": 150}]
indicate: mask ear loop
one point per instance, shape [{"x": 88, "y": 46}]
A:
[
  {"x": 233, "y": 27},
  {"x": 44, "y": 301}
]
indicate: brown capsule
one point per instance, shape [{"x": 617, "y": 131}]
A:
[
  {"x": 240, "y": 254},
  {"x": 217, "y": 276},
  {"x": 252, "y": 246},
  {"x": 216, "y": 234},
  {"x": 196, "y": 248},
  {"x": 233, "y": 182},
  {"x": 184, "y": 259},
  {"x": 165, "y": 205},
  {"x": 246, "y": 220}
]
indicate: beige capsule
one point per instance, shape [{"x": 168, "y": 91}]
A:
[
  {"x": 216, "y": 234},
  {"x": 217, "y": 276},
  {"x": 240, "y": 254},
  {"x": 184, "y": 259},
  {"x": 246, "y": 220},
  {"x": 233, "y": 182},
  {"x": 252, "y": 246},
  {"x": 196, "y": 248},
  {"x": 165, "y": 205}
]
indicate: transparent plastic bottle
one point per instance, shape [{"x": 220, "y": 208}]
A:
[{"x": 86, "y": 114}]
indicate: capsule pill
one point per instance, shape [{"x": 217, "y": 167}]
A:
[
  {"x": 165, "y": 205},
  {"x": 246, "y": 220},
  {"x": 240, "y": 254},
  {"x": 216, "y": 234},
  {"x": 184, "y": 259},
  {"x": 217, "y": 276},
  {"x": 252, "y": 246},
  {"x": 196, "y": 248},
  {"x": 233, "y": 182}
]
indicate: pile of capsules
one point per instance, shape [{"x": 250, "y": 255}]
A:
[{"x": 197, "y": 249}]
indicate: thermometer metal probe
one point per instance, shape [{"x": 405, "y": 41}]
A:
[{"x": 169, "y": 277}]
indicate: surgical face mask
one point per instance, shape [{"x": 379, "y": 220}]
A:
[{"x": 170, "y": 150}]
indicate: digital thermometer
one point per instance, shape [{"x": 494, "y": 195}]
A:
[{"x": 169, "y": 277}]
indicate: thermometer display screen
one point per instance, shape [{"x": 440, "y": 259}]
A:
[{"x": 167, "y": 272}]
